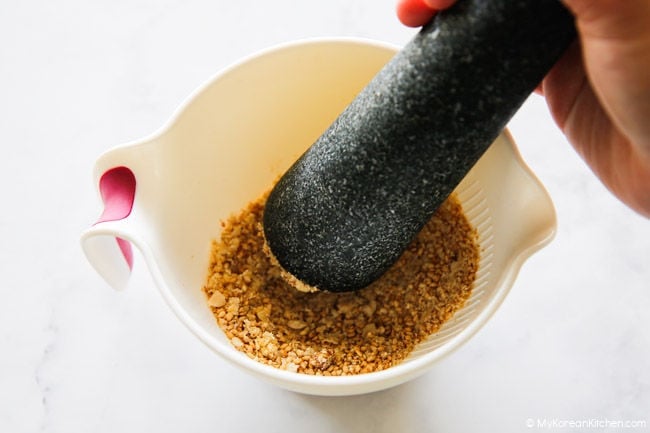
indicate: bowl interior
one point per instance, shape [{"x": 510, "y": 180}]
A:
[{"x": 243, "y": 129}]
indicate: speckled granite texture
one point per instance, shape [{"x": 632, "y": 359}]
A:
[{"x": 349, "y": 206}]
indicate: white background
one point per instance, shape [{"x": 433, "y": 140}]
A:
[{"x": 78, "y": 77}]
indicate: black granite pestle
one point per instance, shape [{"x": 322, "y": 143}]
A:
[{"x": 347, "y": 209}]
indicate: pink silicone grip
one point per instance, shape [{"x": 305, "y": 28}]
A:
[{"x": 117, "y": 188}]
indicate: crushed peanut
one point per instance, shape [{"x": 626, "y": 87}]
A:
[{"x": 333, "y": 334}]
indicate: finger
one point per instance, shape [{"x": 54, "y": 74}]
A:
[
  {"x": 563, "y": 84},
  {"x": 414, "y": 13},
  {"x": 439, "y": 4}
]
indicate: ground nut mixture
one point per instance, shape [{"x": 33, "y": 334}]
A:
[{"x": 339, "y": 333}]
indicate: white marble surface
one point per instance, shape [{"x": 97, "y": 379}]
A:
[{"x": 571, "y": 342}]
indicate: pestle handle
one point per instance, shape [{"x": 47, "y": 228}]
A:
[{"x": 347, "y": 209}]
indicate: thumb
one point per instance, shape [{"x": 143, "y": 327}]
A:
[
  {"x": 611, "y": 19},
  {"x": 615, "y": 38}
]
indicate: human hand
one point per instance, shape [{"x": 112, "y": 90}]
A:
[{"x": 598, "y": 92}]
